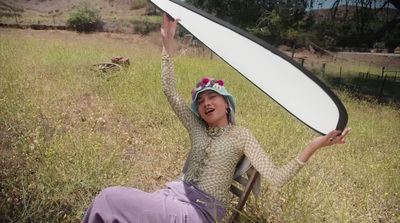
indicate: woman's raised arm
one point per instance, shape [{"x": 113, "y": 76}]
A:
[{"x": 168, "y": 28}]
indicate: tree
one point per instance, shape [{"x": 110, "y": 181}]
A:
[
  {"x": 371, "y": 23},
  {"x": 283, "y": 23},
  {"x": 276, "y": 21},
  {"x": 85, "y": 19},
  {"x": 241, "y": 13},
  {"x": 336, "y": 3}
]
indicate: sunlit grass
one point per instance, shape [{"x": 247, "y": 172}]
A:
[
  {"x": 351, "y": 67},
  {"x": 156, "y": 19},
  {"x": 68, "y": 131}
]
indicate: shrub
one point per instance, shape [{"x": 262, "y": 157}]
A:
[
  {"x": 138, "y": 4},
  {"x": 145, "y": 25},
  {"x": 85, "y": 19},
  {"x": 379, "y": 45}
]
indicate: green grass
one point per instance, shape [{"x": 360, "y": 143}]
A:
[
  {"x": 151, "y": 18},
  {"x": 68, "y": 131},
  {"x": 364, "y": 64},
  {"x": 138, "y": 4},
  {"x": 361, "y": 77}
]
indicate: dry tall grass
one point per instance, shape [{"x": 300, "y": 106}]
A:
[{"x": 68, "y": 131}]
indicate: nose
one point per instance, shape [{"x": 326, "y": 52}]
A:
[{"x": 206, "y": 102}]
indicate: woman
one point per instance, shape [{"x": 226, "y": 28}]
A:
[{"x": 217, "y": 146}]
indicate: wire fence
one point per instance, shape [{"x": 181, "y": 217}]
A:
[{"x": 368, "y": 74}]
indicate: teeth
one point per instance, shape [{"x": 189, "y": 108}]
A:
[{"x": 208, "y": 111}]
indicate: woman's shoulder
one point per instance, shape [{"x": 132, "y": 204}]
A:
[
  {"x": 241, "y": 131},
  {"x": 242, "y": 136}
]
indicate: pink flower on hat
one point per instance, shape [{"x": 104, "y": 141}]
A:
[
  {"x": 207, "y": 83},
  {"x": 205, "y": 80}
]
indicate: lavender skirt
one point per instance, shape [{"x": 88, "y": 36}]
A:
[{"x": 181, "y": 202}]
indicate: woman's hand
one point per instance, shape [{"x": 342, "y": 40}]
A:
[
  {"x": 168, "y": 28},
  {"x": 333, "y": 137}
]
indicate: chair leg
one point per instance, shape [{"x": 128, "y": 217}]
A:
[
  {"x": 234, "y": 217},
  {"x": 245, "y": 195}
]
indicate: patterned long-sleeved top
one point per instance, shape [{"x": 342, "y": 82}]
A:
[{"x": 213, "y": 160}]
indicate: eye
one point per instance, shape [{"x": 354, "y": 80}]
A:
[
  {"x": 211, "y": 96},
  {"x": 199, "y": 102}
]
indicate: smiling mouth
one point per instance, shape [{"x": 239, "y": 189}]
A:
[{"x": 209, "y": 111}]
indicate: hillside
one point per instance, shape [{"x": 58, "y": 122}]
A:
[
  {"x": 116, "y": 14},
  {"x": 346, "y": 13},
  {"x": 49, "y": 7}
]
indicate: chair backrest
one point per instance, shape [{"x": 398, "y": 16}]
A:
[
  {"x": 187, "y": 39},
  {"x": 248, "y": 181}
]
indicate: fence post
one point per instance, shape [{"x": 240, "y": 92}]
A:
[
  {"x": 369, "y": 67},
  {"x": 383, "y": 85},
  {"x": 383, "y": 71},
  {"x": 323, "y": 69},
  {"x": 340, "y": 75},
  {"x": 294, "y": 48}
]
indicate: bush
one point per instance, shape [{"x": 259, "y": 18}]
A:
[
  {"x": 139, "y": 4},
  {"x": 145, "y": 25},
  {"x": 85, "y": 19},
  {"x": 379, "y": 45}
]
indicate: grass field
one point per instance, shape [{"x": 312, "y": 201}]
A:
[{"x": 67, "y": 131}]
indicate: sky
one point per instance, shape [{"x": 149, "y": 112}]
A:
[{"x": 324, "y": 4}]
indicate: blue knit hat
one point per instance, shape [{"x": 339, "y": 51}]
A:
[{"x": 210, "y": 84}]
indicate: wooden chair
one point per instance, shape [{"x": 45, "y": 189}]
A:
[
  {"x": 186, "y": 41},
  {"x": 248, "y": 183}
]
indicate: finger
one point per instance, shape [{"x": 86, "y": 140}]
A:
[
  {"x": 343, "y": 140},
  {"x": 333, "y": 134},
  {"x": 175, "y": 23},
  {"x": 177, "y": 20},
  {"x": 167, "y": 17},
  {"x": 346, "y": 131},
  {"x": 343, "y": 134},
  {"x": 164, "y": 21},
  {"x": 334, "y": 140}
]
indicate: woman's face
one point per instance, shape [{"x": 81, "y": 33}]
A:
[{"x": 212, "y": 108}]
